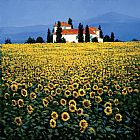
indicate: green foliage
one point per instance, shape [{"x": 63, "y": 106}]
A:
[
  {"x": 8, "y": 41},
  {"x": 39, "y": 40},
  {"x": 87, "y": 34},
  {"x": 101, "y": 32},
  {"x": 30, "y": 40},
  {"x": 80, "y": 33},
  {"x": 70, "y": 22},
  {"x": 58, "y": 33},
  {"x": 94, "y": 39},
  {"x": 49, "y": 37}
]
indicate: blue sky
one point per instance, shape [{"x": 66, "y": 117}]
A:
[{"x": 43, "y": 12}]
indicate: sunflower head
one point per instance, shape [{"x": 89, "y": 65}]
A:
[
  {"x": 79, "y": 111},
  {"x": 20, "y": 103},
  {"x": 100, "y": 91},
  {"x": 72, "y": 102},
  {"x": 83, "y": 123},
  {"x": 75, "y": 94},
  {"x": 14, "y": 102},
  {"x": 67, "y": 93},
  {"x": 14, "y": 87},
  {"x": 124, "y": 91},
  {"x": 32, "y": 95},
  {"x": 6, "y": 95},
  {"x": 118, "y": 117},
  {"x": 63, "y": 102},
  {"x": 65, "y": 116},
  {"x": 52, "y": 123},
  {"x": 54, "y": 115},
  {"x": 81, "y": 92},
  {"x": 86, "y": 103},
  {"x": 107, "y": 104},
  {"x": 98, "y": 99},
  {"x": 72, "y": 108},
  {"x": 45, "y": 102},
  {"x": 92, "y": 94},
  {"x": 24, "y": 92},
  {"x": 30, "y": 109},
  {"x": 116, "y": 102},
  {"x": 108, "y": 110},
  {"x": 18, "y": 121}
]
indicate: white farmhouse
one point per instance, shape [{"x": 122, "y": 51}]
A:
[{"x": 71, "y": 35}]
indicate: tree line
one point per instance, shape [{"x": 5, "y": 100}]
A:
[{"x": 60, "y": 39}]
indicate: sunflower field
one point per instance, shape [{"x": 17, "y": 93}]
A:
[{"x": 78, "y": 91}]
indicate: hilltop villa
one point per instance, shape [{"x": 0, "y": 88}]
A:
[{"x": 71, "y": 35}]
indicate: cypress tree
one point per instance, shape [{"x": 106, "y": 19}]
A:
[
  {"x": 87, "y": 34},
  {"x": 70, "y": 22},
  {"x": 112, "y": 37},
  {"x": 49, "y": 36},
  {"x": 58, "y": 33},
  {"x": 101, "y": 32},
  {"x": 80, "y": 33}
]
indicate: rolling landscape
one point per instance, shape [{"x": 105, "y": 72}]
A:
[
  {"x": 69, "y": 70},
  {"x": 125, "y": 28}
]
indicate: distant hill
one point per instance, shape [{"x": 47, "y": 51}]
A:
[
  {"x": 21, "y": 34},
  {"x": 125, "y": 28}
]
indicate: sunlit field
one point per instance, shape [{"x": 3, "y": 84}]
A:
[{"x": 70, "y": 91}]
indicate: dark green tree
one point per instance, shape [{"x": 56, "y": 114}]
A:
[
  {"x": 39, "y": 40},
  {"x": 70, "y": 22},
  {"x": 94, "y": 39},
  {"x": 80, "y": 33},
  {"x": 59, "y": 33},
  {"x": 63, "y": 40},
  {"x": 49, "y": 36},
  {"x": 8, "y": 41},
  {"x": 112, "y": 37},
  {"x": 101, "y": 32},
  {"x": 106, "y": 38},
  {"x": 87, "y": 34},
  {"x": 30, "y": 40}
]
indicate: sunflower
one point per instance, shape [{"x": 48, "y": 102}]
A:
[
  {"x": 53, "y": 93},
  {"x": 95, "y": 87},
  {"x": 100, "y": 91},
  {"x": 105, "y": 88},
  {"x": 72, "y": 102},
  {"x": 124, "y": 91},
  {"x": 75, "y": 85},
  {"x": 92, "y": 94},
  {"x": 63, "y": 102},
  {"x": 110, "y": 93},
  {"x": 46, "y": 90},
  {"x": 129, "y": 89},
  {"x": 6, "y": 95},
  {"x": 58, "y": 91},
  {"x": 45, "y": 102},
  {"x": 24, "y": 92},
  {"x": 81, "y": 92},
  {"x": 72, "y": 108},
  {"x": 107, "y": 104},
  {"x": 32, "y": 95},
  {"x": 52, "y": 123},
  {"x": 86, "y": 103},
  {"x": 65, "y": 116},
  {"x": 117, "y": 87},
  {"x": 118, "y": 117},
  {"x": 40, "y": 87},
  {"x": 108, "y": 110},
  {"x": 83, "y": 124},
  {"x": 92, "y": 130},
  {"x": 75, "y": 94},
  {"x": 82, "y": 129},
  {"x": 20, "y": 103},
  {"x": 67, "y": 93},
  {"x": 30, "y": 109},
  {"x": 50, "y": 86},
  {"x": 14, "y": 87},
  {"x": 116, "y": 102},
  {"x": 14, "y": 102},
  {"x": 64, "y": 87},
  {"x": 54, "y": 115},
  {"x": 98, "y": 99},
  {"x": 79, "y": 111},
  {"x": 18, "y": 121}
]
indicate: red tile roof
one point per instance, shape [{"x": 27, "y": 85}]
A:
[
  {"x": 75, "y": 31},
  {"x": 63, "y": 24}
]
